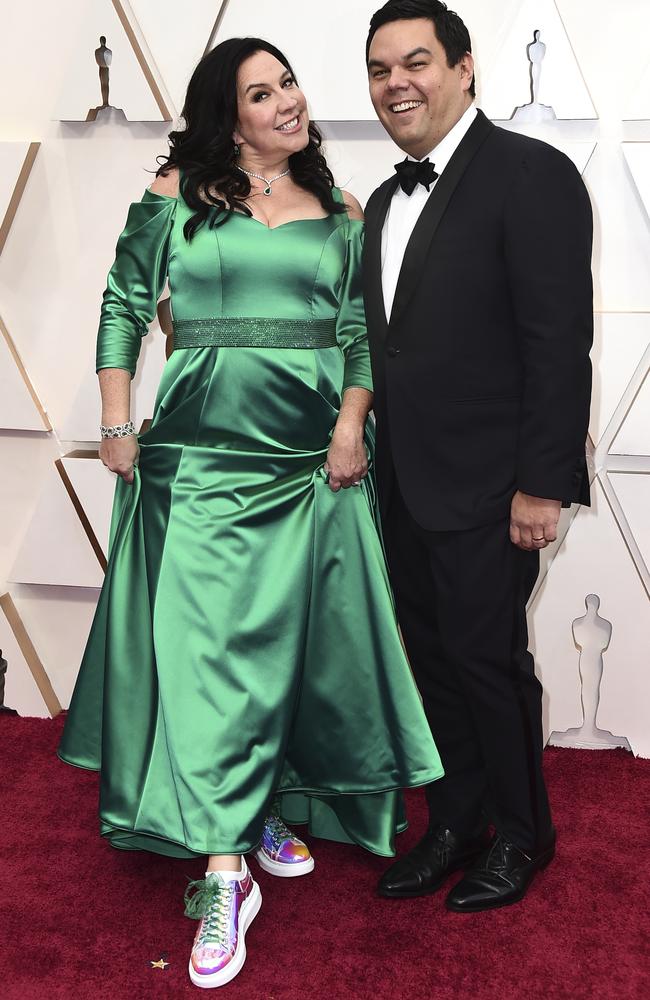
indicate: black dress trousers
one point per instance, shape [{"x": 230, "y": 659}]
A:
[{"x": 461, "y": 600}]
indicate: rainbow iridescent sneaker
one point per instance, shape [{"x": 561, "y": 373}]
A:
[
  {"x": 225, "y": 908},
  {"x": 281, "y": 852}
]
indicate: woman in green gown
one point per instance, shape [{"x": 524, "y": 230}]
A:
[{"x": 244, "y": 666}]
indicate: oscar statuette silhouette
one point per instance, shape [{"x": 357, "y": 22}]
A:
[
  {"x": 103, "y": 58},
  {"x": 592, "y": 635},
  {"x": 535, "y": 112}
]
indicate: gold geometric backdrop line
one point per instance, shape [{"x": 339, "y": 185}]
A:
[
  {"x": 139, "y": 54},
  {"x": 4, "y": 332},
  {"x": 115, "y": 79},
  {"x": 19, "y": 187},
  {"x": 76, "y": 503},
  {"x": 31, "y": 656},
  {"x": 173, "y": 54}
]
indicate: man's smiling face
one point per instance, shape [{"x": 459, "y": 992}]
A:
[{"x": 418, "y": 97}]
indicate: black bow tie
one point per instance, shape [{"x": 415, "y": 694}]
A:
[{"x": 410, "y": 173}]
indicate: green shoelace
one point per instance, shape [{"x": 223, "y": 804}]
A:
[{"x": 211, "y": 902}]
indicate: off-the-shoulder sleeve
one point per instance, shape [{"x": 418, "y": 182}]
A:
[
  {"x": 351, "y": 322},
  {"x": 135, "y": 281}
]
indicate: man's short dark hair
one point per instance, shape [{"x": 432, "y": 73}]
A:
[{"x": 449, "y": 27}]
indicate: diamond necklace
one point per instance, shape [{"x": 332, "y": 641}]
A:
[{"x": 267, "y": 190}]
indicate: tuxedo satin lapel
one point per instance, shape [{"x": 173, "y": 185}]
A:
[
  {"x": 372, "y": 287},
  {"x": 433, "y": 211}
]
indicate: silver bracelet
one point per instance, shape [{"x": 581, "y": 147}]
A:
[{"x": 118, "y": 431}]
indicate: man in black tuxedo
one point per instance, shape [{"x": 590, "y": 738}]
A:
[{"x": 478, "y": 298}]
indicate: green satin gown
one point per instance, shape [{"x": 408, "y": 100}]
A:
[{"x": 245, "y": 643}]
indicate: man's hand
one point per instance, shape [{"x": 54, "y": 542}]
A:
[
  {"x": 533, "y": 521},
  {"x": 347, "y": 460},
  {"x": 120, "y": 455}
]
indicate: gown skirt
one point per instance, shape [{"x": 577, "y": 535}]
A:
[{"x": 245, "y": 645}]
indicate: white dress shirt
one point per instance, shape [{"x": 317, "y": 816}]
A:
[{"x": 404, "y": 210}]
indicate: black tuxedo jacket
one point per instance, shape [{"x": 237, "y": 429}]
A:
[{"x": 482, "y": 376}]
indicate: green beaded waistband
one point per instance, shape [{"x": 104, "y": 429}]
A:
[{"x": 253, "y": 331}]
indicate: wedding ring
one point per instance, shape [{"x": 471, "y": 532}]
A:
[{"x": 542, "y": 539}]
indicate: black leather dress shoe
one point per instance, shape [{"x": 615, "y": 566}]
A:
[
  {"x": 500, "y": 876},
  {"x": 425, "y": 868}
]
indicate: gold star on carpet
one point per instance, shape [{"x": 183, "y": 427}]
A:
[{"x": 160, "y": 964}]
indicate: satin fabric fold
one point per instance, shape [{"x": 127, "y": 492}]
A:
[{"x": 245, "y": 644}]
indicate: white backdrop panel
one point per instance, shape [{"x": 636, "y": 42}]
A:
[
  {"x": 42, "y": 610},
  {"x": 360, "y": 156},
  {"x": 77, "y": 198},
  {"x": 506, "y": 79},
  {"x": 637, "y": 155},
  {"x": 95, "y": 486},
  {"x": 21, "y": 690},
  {"x": 129, "y": 89},
  {"x": 594, "y": 560},
  {"x": 327, "y": 51},
  {"x": 17, "y": 408},
  {"x": 591, "y": 27},
  {"x": 579, "y": 151},
  {"x": 620, "y": 341},
  {"x": 621, "y": 261},
  {"x": 176, "y": 52},
  {"x": 638, "y": 104},
  {"x": 53, "y": 271},
  {"x": 55, "y": 549},
  {"x": 12, "y": 158},
  {"x": 633, "y": 492},
  {"x": 634, "y": 436},
  {"x": 26, "y": 462}
]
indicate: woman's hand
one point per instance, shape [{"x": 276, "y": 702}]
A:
[
  {"x": 120, "y": 455},
  {"x": 347, "y": 459}
]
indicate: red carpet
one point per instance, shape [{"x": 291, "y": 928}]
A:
[{"x": 81, "y": 921}]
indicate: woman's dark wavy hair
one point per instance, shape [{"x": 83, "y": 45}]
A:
[{"x": 204, "y": 151}]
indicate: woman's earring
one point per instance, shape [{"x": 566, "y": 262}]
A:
[{"x": 236, "y": 150}]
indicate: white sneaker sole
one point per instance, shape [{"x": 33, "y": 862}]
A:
[
  {"x": 250, "y": 909},
  {"x": 283, "y": 870}
]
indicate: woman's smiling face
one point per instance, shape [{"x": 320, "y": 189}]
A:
[{"x": 272, "y": 110}]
